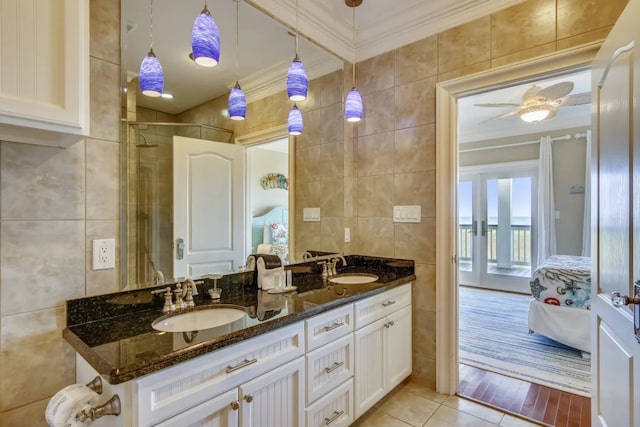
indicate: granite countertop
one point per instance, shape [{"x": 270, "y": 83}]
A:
[{"x": 113, "y": 332}]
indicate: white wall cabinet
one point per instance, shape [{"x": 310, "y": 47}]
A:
[
  {"x": 314, "y": 373},
  {"x": 382, "y": 346},
  {"x": 44, "y": 71}
]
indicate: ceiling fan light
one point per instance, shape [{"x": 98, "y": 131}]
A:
[
  {"x": 353, "y": 106},
  {"x": 535, "y": 114},
  {"x": 205, "y": 40},
  {"x": 297, "y": 81},
  {"x": 295, "y": 121},
  {"x": 151, "y": 76},
  {"x": 237, "y": 103}
]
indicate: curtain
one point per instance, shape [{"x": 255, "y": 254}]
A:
[
  {"x": 546, "y": 209},
  {"x": 586, "y": 221}
]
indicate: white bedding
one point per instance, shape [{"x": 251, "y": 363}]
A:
[{"x": 563, "y": 324}]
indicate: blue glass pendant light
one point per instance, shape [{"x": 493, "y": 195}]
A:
[
  {"x": 205, "y": 39},
  {"x": 297, "y": 81},
  {"x": 295, "y": 121},
  {"x": 237, "y": 101},
  {"x": 353, "y": 105},
  {"x": 151, "y": 76}
]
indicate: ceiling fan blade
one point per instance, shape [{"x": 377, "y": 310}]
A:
[
  {"x": 576, "y": 99},
  {"x": 556, "y": 91},
  {"x": 531, "y": 93},
  {"x": 502, "y": 116},
  {"x": 498, "y": 104}
]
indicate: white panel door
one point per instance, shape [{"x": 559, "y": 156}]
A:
[
  {"x": 208, "y": 207},
  {"x": 616, "y": 254},
  {"x": 275, "y": 398}
]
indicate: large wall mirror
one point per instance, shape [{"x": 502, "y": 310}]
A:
[{"x": 192, "y": 116}]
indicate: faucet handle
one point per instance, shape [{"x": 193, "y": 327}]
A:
[
  {"x": 168, "y": 302},
  {"x": 325, "y": 269}
]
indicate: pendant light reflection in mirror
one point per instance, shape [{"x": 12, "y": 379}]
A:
[
  {"x": 205, "y": 39},
  {"x": 237, "y": 101},
  {"x": 353, "y": 105},
  {"x": 151, "y": 76},
  {"x": 297, "y": 86}
]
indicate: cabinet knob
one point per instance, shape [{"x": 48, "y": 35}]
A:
[
  {"x": 248, "y": 398},
  {"x": 235, "y": 405}
]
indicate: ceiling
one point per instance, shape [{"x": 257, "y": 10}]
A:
[
  {"x": 473, "y": 124},
  {"x": 266, "y": 44}
]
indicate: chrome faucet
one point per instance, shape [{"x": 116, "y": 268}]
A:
[{"x": 332, "y": 263}]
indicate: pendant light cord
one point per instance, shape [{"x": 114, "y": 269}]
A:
[
  {"x": 297, "y": 28},
  {"x": 237, "y": 40},
  {"x": 151, "y": 27},
  {"x": 354, "y": 46}
]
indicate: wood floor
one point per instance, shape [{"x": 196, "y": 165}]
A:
[{"x": 531, "y": 401}]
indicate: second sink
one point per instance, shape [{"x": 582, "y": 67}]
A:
[
  {"x": 353, "y": 278},
  {"x": 198, "y": 319}
]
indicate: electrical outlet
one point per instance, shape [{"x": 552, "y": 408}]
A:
[{"x": 104, "y": 256}]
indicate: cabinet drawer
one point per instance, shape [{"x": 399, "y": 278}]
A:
[
  {"x": 329, "y": 366},
  {"x": 378, "y": 306},
  {"x": 334, "y": 410},
  {"x": 181, "y": 387},
  {"x": 326, "y": 327}
]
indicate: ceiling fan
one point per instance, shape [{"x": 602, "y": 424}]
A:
[{"x": 542, "y": 103}]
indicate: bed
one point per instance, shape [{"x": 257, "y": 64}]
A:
[
  {"x": 270, "y": 231},
  {"x": 560, "y": 309}
]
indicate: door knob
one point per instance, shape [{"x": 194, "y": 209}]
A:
[{"x": 620, "y": 300}]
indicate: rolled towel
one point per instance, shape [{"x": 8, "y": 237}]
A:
[
  {"x": 270, "y": 261},
  {"x": 67, "y": 403}
]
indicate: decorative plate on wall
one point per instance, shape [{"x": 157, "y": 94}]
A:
[{"x": 274, "y": 180}]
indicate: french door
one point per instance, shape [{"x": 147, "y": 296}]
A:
[{"x": 495, "y": 223}]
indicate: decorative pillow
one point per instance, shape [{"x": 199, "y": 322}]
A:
[{"x": 278, "y": 233}]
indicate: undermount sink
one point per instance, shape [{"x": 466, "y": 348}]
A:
[
  {"x": 353, "y": 278},
  {"x": 198, "y": 319}
]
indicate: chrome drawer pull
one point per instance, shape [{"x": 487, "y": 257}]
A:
[
  {"x": 388, "y": 303},
  {"x": 335, "y": 416},
  {"x": 332, "y": 327},
  {"x": 240, "y": 365},
  {"x": 333, "y": 367}
]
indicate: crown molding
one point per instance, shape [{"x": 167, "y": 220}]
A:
[
  {"x": 272, "y": 80},
  {"x": 318, "y": 23},
  {"x": 411, "y": 25}
]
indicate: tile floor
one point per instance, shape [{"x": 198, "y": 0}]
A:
[{"x": 413, "y": 405}]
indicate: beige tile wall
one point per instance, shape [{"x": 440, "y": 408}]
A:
[
  {"x": 395, "y": 147},
  {"x": 54, "y": 202}
]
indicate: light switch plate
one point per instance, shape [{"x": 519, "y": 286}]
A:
[
  {"x": 406, "y": 213},
  {"x": 311, "y": 214}
]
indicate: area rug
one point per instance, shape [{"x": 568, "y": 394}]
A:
[{"x": 494, "y": 336}]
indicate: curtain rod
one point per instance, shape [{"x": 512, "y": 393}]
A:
[{"x": 516, "y": 144}]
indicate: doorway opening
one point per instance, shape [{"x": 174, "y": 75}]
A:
[
  {"x": 268, "y": 179},
  {"x": 504, "y": 223}
]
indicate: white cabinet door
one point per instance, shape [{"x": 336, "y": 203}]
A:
[
  {"x": 370, "y": 367},
  {"x": 275, "y": 398},
  {"x": 221, "y": 411},
  {"x": 398, "y": 347},
  {"x": 44, "y": 71}
]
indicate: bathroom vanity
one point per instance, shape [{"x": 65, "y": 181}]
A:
[{"x": 322, "y": 355}]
